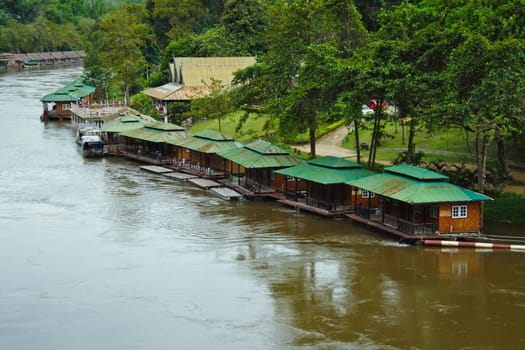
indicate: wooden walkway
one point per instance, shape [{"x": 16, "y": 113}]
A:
[
  {"x": 180, "y": 176},
  {"x": 318, "y": 211},
  {"x": 204, "y": 183},
  {"x": 215, "y": 187},
  {"x": 226, "y": 193},
  {"x": 155, "y": 169}
]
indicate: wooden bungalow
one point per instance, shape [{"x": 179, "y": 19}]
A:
[
  {"x": 414, "y": 202},
  {"x": 151, "y": 143},
  {"x": 321, "y": 184},
  {"x": 58, "y": 104},
  {"x": 200, "y": 151},
  {"x": 114, "y": 125},
  {"x": 253, "y": 165}
]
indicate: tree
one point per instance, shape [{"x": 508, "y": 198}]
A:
[
  {"x": 312, "y": 95},
  {"x": 124, "y": 34},
  {"x": 294, "y": 79},
  {"x": 215, "y": 105},
  {"x": 173, "y": 19},
  {"x": 244, "y": 23},
  {"x": 488, "y": 91}
]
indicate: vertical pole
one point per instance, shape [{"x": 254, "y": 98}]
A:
[{"x": 382, "y": 209}]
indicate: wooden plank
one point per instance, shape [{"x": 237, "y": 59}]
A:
[
  {"x": 155, "y": 169},
  {"x": 302, "y": 206},
  {"x": 180, "y": 176},
  {"x": 226, "y": 193},
  {"x": 204, "y": 183}
]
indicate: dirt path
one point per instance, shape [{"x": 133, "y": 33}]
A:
[{"x": 330, "y": 144}]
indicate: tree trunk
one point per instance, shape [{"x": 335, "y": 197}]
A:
[
  {"x": 126, "y": 89},
  {"x": 375, "y": 136},
  {"x": 357, "y": 143},
  {"x": 481, "y": 158},
  {"x": 502, "y": 157},
  {"x": 312, "y": 143},
  {"x": 411, "y": 148}
]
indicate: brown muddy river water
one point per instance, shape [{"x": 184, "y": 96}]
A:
[{"x": 97, "y": 254}]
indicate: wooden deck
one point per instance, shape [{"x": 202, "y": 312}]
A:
[
  {"x": 266, "y": 194},
  {"x": 226, "y": 193},
  {"x": 146, "y": 159},
  {"x": 95, "y": 114},
  {"x": 413, "y": 239},
  {"x": 155, "y": 169},
  {"x": 204, "y": 183},
  {"x": 180, "y": 176},
  {"x": 305, "y": 207},
  {"x": 187, "y": 168}
]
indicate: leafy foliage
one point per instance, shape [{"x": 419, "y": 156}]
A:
[{"x": 441, "y": 64}]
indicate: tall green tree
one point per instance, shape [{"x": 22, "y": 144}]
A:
[
  {"x": 487, "y": 94},
  {"x": 294, "y": 79},
  {"x": 124, "y": 34},
  {"x": 215, "y": 105},
  {"x": 174, "y": 19},
  {"x": 245, "y": 22}
]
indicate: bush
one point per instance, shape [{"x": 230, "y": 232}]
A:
[
  {"x": 508, "y": 207},
  {"x": 321, "y": 131}
]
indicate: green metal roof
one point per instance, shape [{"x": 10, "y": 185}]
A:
[
  {"x": 327, "y": 170},
  {"x": 261, "y": 154},
  {"x": 161, "y": 126},
  {"x": 208, "y": 141},
  {"x": 126, "y": 122},
  {"x": 335, "y": 162},
  {"x": 414, "y": 191},
  {"x": 157, "y": 132},
  {"x": 213, "y": 135},
  {"x": 73, "y": 90},
  {"x": 416, "y": 172},
  {"x": 265, "y": 147}
]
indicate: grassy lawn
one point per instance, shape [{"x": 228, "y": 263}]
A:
[
  {"x": 448, "y": 146},
  {"x": 253, "y": 128}
]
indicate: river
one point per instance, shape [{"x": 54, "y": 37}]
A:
[{"x": 97, "y": 254}]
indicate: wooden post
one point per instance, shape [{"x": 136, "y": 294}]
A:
[{"x": 382, "y": 209}]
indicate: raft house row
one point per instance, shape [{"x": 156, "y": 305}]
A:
[
  {"x": 39, "y": 59},
  {"x": 412, "y": 203}
]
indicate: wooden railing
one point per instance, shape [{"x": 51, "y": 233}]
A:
[
  {"x": 94, "y": 113},
  {"x": 426, "y": 228},
  {"x": 316, "y": 203}
]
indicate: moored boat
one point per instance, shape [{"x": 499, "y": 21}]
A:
[
  {"x": 31, "y": 64},
  {"x": 87, "y": 130},
  {"x": 91, "y": 146}
]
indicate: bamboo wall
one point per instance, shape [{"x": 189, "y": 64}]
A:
[{"x": 472, "y": 223}]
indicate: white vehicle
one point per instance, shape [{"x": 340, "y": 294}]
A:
[{"x": 367, "y": 110}]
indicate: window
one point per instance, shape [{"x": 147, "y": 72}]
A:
[
  {"x": 367, "y": 194},
  {"x": 459, "y": 211}
]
